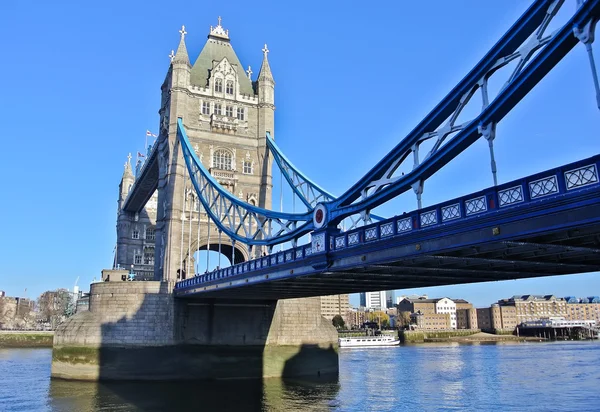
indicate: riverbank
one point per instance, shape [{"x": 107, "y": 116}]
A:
[
  {"x": 464, "y": 336},
  {"x": 26, "y": 339}
]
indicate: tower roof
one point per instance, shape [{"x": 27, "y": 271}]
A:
[
  {"x": 265, "y": 69},
  {"x": 216, "y": 48},
  {"x": 181, "y": 56}
]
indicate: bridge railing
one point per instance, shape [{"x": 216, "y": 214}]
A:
[{"x": 539, "y": 187}]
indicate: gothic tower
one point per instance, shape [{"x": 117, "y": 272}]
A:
[{"x": 226, "y": 116}]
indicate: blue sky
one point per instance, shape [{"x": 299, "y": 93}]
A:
[{"x": 82, "y": 85}]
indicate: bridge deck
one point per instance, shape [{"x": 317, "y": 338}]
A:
[{"x": 545, "y": 224}]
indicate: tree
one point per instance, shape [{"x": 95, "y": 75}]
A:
[
  {"x": 381, "y": 318},
  {"x": 404, "y": 319},
  {"x": 338, "y": 322},
  {"x": 53, "y": 306}
]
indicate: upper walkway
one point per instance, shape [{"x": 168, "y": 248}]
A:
[{"x": 540, "y": 225}]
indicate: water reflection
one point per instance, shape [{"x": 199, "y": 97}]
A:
[
  {"x": 231, "y": 395},
  {"x": 494, "y": 377}
]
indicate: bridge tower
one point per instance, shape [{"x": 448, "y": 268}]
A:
[{"x": 226, "y": 115}]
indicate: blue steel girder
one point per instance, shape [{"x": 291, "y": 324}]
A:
[
  {"x": 379, "y": 186},
  {"x": 562, "y": 202},
  {"x": 239, "y": 220},
  {"x": 308, "y": 191},
  {"x": 145, "y": 183}
]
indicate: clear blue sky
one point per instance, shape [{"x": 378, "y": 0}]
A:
[{"x": 81, "y": 84}]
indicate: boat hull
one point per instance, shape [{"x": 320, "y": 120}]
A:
[{"x": 366, "y": 342}]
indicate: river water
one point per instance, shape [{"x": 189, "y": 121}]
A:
[{"x": 549, "y": 376}]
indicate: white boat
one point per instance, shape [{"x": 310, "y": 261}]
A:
[{"x": 366, "y": 341}]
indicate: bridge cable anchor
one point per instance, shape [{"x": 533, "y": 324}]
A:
[
  {"x": 489, "y": 133},
  {"x": 586, "y": 36}
]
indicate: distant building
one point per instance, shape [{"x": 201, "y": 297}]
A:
[
  {"x": 534, "y": 307},
  {"x": 466, "y": 315},
  {"x": 440, "y": 313},
  {"x": 374, "y": 300},
  {"x": 413, "y": 297},
  {"x": 335, "y": 305},
  {"x": 2, "y": 294},
  {"x": 583, "y": 309},
  {"x": 497, "y": 317},
  {"x": 390, "y": 299}
]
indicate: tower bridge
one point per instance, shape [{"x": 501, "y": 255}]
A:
[{"x": 207, "y": 185}]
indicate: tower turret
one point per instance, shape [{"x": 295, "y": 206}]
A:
[
  {"x": 266, "y": 123},
  {"x": 126, "y": 182},
  {"x": 181, "y": 63},
  {"x": 266, "y": 84}
]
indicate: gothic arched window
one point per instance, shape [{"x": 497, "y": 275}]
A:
[
  {"x": 222, "y": 160},
  {"x": 219, "y": 85},
  {"x": 229, "y": 88}
]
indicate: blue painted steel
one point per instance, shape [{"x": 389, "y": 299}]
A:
[
  {"x": 302, "y": 221},
  {"x": 561, "y": 43},
  {"x": 526, "y": 197},
  {"x": 348, "y": 204},
  {"x": 285, "y": 165}
]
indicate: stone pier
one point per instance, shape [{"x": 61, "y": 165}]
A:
[{"x": 138, "y": 331}]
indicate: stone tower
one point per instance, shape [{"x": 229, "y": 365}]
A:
[
  {"x": 226, "y": 115},
  {"x": 135, "y": 232}
]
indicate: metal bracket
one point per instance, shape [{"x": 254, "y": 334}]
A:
[
  {"x": 586, "y": 36},
  {"x": 489, "y": 133}
]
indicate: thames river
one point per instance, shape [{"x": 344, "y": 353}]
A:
[{"x": 552, "y": 376}]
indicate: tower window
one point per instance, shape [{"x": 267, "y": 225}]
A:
[
  {"x": 135, "y": 234},
  {"x": 205, "y": 107},
  {"x": 229, "y": 111},
  {"x": 247, "y": 167},
  {"x": 222, "y": 160},
  {"x": 219, "y": 85},
  {"x": 150, "y": 235},
  {"x": 137, "y": 259},
  {"x": 241, "y": 114},
  {"x": 149, "y": 256},
  {"x": 229, "y": 87},
  {"x": 218, "y": 108}
]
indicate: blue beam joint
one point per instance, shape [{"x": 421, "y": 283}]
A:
[{"x": 323, "y": 237}]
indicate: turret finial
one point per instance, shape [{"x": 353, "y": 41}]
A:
[
  {"x": 219, "y": 31},
  {"x": 249, "y": 72},
  {"x": 172, "y": 55},
  {"x": 265, "y": 50},
  {"x": 183, "y": 32},
  {"x": 129, "y": 158}
]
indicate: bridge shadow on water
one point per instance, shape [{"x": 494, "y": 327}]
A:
[
  {"x": 271, "y": 394},
  {"x": 212, "y": 340}
]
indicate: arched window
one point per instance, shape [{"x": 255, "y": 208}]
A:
[
  {"x": 229, "y": 88},
  {"x": 222, "y": 160},
  {"x": 219, "y": 85}
]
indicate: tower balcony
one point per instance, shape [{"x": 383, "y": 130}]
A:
[{"x": 225, "y": 124}]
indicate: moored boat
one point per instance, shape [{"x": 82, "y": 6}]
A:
[{"x": 368, "y": 341}]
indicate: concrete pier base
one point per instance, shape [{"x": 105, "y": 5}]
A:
[{"x": 137, "y": 331}]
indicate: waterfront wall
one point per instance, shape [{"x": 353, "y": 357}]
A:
[
  {"x": 26, "y": 339},
  {"x": 136, "y": 330},
  {"x": 416, "y": 336}
]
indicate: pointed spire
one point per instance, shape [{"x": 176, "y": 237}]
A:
[
  {"x": 181, "y": 56},
  {"x": 265, "y": 69},
  {"x": 128, "y": 172}
]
